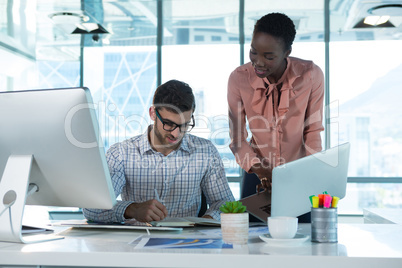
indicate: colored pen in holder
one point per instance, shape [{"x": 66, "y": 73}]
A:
[{"x": 324, "y": 218}]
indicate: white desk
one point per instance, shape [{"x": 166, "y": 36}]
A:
[
  {"x": 360, "y": 245},
  {"x": 382, "y": 215}
]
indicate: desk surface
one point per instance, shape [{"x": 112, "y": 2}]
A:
[
  {"x": 359, "y": 245},
  {"x": 382, "y": 215}
]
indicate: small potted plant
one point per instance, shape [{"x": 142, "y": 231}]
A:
[{"x": 234, "y": 222}]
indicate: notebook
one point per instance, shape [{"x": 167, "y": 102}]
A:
[
  {"x": 127, "y": 225},
  {"x": 294, "y": 182}
]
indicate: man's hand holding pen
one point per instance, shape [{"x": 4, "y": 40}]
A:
[{"x": 151, "y": 210}]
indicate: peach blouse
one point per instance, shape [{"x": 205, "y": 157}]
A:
[{"x": 285, "y": 118}]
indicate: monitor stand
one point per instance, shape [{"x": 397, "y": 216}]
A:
[{"x": 14, "y": 187}]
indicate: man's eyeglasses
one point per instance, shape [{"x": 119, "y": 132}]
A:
[{"x": 170, "y": 126}]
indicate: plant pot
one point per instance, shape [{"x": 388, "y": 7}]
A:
[{"x": 234, "y": 227}]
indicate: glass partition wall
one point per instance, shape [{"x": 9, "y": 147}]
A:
[{"x": 123, "y": 49}]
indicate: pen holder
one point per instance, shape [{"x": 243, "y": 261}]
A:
[{"x": 324, "y": 225}]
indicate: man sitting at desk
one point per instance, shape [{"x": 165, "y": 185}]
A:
[{"x": 163, "y": 171}]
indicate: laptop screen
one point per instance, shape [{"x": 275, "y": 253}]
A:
[{"x": 294, "y": 182}]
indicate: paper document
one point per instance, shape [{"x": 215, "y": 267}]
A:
[{"x": 186, "y": 222}]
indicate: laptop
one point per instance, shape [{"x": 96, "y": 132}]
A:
[{"x": 294, "y": 182}]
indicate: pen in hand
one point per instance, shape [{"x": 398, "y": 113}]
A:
[
  {"x": 159, "y": 200},
  {"x": 157, "y": 196}
]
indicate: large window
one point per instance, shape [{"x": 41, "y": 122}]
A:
[
  {"x": 365, "y": 85},
  {"x": 208, "y": 76},
  {"x": 122, "y": 82}
]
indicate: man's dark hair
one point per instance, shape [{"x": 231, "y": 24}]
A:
[
  {"x": 278, "y": 25},
  {"x": 175, "y": 96}
]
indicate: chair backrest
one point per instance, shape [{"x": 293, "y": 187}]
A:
[{"x": 204, "y": 206}]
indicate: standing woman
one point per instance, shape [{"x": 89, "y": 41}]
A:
[{"x": 281, "y": 97}]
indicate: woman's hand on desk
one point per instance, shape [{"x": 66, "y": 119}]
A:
[{"x": 151, "y": 210}]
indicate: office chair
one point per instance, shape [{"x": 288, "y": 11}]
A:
[{"x": 204, "y": 206}]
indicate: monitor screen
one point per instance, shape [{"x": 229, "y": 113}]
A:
[{"x": 59, "y": 129}]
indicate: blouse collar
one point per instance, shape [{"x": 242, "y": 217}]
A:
[{"x": 262, "y": 96}]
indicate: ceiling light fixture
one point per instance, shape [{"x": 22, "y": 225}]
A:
[
  {"x": 89, "y": 28},
  {"x": 376, "y": 20},
  {"x": 370, "y": 23},
  {"x": 77, "y": 23},
  {"x": 380, "y": 16},
  {"x": 386, "y": 10},
  {"x": 68, "y": 17}
]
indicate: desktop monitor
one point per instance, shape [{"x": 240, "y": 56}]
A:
[{"x": 51, "y": 154}]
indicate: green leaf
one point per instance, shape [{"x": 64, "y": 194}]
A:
[
  {"x": 224, "y": 209},
  {"x": 230, "y": 206},
  {"x": 233, "y": 207},
  {"x": 242, "y": 209}
]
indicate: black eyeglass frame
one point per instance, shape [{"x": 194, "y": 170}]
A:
[{"x": 186, "y": 126}]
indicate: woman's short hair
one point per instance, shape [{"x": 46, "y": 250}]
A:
[
  {"x": 278, "y": 25},
  {"x": 175, "y": 96}
]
